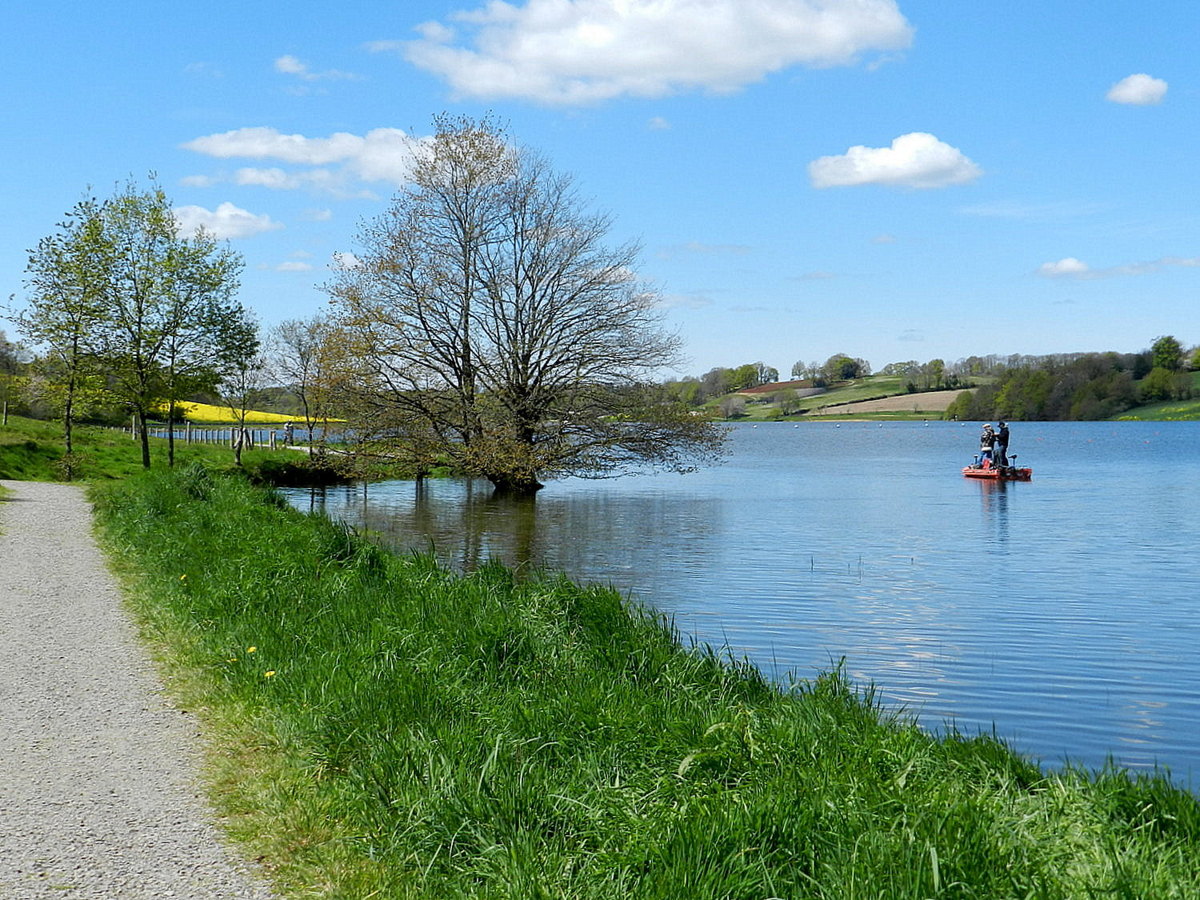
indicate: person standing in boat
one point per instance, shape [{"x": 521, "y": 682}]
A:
[
  {"x": 1000, "y": 454},
  {"x": 987, "y": 439}
]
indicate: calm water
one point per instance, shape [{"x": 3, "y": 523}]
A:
[{"x": 1063, "y": 612}]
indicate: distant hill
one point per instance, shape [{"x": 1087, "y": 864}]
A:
[
  {"x": 874, "y": 396},
  {"x": 804, "y": 385}
]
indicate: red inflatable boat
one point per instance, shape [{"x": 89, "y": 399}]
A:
[{"x": 997, "y": 473}]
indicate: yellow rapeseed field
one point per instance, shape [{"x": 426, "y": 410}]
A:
[{"x": 205, "y": 412}]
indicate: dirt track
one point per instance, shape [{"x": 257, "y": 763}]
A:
[{"x": 99, "y": 793}]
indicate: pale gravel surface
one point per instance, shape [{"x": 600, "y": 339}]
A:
[{"x": 99, "y": 793}]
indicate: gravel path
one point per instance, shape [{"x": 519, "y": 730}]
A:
[{"x": 98, "y": 773}]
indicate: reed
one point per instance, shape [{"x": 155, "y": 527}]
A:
[{"x": 382, "y": 727}]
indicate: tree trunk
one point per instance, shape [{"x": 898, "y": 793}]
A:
[
  {"x": 504, "y": 486},
  {"x": 141, "y": 416},
  {"x": 171, "y": 434},
  {"x": 68, "y": 416}
]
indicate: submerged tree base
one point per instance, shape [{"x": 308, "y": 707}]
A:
[
  {"x": 389, "y": 727},
  {"x": 515, "y": 490}
]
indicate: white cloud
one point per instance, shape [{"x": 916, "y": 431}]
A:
[
  {"x": 1073, "y": 268},
  {"x": 268, "y": 178},
  {"x": 381, "y": 155},
  {"x": 294, "y": 266},
  {"x": 1138, "y": 90},
  {"x": 1070, "y": 267},
  {"x": 226, "y": 221},
  {"x": 916, "y": 160},
  {"x": 204, "y": 70},
  {"x": 267, "y": 143},
  {"x": 583, "y": 51},
  {"x": 290, "y": 65}
]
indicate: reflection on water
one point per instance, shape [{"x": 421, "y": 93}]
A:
[{"x": 1062, "y": 611}]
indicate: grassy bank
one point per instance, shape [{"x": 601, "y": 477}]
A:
[
  {"x": 384, "y": 728},
  {"x": 1168, "y": 411}
]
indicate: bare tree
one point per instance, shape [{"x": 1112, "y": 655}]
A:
[
  {"x": 488, "y": 314},
  {"x": 302, "y": 359},
  {"x": 242, "y": 375}
]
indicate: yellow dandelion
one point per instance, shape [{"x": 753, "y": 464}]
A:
[
  {"x": 270, "y": 673},
  {"x": 251, "y": 649},
  {"x": 183, "y": 577}
]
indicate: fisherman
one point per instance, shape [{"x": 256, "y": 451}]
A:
[
  {"x": 1001, "y": 451},
  {"x": 987, "y": 440}
]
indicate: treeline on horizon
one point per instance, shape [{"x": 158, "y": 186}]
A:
[
  {"x": 1082, "y": 386},
  {"x": 1061, "y": 386}
]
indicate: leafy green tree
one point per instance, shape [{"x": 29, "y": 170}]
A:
[
  {"x": 1167, "y": 353},
  {"x": 1163, "y": 384},
  {"x": 167, "y": 302},
  {"x": 688, "y": 391},
  {"x": 1024, "y": 395},
  {"x": 932, "y": 374},
  {"x": 486, "y": 310},
  {"x": 841, "y": 367},
  {"x": 11, "y": 363},
  {"x": 202, "y": 321},
  {"x": 745, "y": 376},
  {"x": 66, "y": 282}
]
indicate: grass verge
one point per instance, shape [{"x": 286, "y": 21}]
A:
[
  {"x": 383, "y": 728},
  {"x": 32, "y": 450}
]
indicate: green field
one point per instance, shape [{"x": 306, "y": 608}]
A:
[
  {"x": 871, "y": 387},
  {"x": 32, "y": 450},
  {"x": 1170, "y": 411}
]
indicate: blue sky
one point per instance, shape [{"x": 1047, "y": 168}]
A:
[{"x": 892, "y": 180}]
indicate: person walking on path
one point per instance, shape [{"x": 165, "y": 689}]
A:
[{"x": 98, "y": 772}]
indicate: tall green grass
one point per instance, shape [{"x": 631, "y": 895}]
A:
[{"x": 384, "y": 728}]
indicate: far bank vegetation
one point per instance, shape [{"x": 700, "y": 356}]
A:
[{"x": 1161, "y": 382}]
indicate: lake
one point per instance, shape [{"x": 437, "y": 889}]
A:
[{"x": 1062, "y": 613}]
